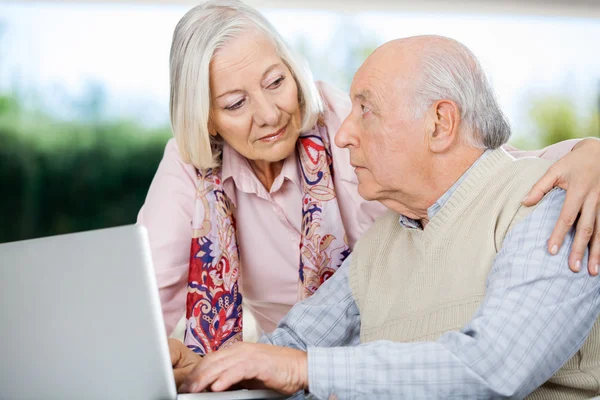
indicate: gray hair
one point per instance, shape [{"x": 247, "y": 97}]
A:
[
  {"x": 451, "y": 71},
  {"x": 199, "y": 34}
]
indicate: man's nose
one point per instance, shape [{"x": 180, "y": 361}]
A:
[{"x": 345, "y": 135}]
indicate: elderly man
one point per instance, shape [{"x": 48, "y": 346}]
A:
[{"x": 453, "y": 293}]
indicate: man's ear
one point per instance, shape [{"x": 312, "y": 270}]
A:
[{"x": 445, "y": 121}]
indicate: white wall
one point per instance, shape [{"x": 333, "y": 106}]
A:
[{"x": 581, "y": 8}]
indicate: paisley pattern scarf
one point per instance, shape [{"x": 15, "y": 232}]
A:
[{"x": 214, "y": 303}]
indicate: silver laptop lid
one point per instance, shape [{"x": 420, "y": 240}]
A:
[{"x": 80, "y": 317}]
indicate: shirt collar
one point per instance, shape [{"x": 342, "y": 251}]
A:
[
  {"x": 237, "y": 173},
  {"x": 437, "y": 206}
]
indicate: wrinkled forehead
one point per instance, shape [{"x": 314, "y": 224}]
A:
[
  {"x": 383, "y": 81},
  {"x": 243, "y": 60},
  {"x": 243, "y": 45}
]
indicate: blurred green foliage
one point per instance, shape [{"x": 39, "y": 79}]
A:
[
  {"x": 68, "y": 176},
  {"x": 59, "y": 176},
  {"x": 556, "y": 119}
]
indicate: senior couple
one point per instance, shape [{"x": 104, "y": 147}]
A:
[{"x": 457, "y": 287}]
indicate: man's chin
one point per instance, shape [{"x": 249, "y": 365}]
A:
[{"x": 365, "y": 193}]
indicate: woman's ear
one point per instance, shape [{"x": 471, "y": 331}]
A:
[{"x": 211, "y": 128}]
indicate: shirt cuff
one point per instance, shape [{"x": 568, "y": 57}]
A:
[{"x": 332, "y": 372}]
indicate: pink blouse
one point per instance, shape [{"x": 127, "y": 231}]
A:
[{"x": 268, "y": 222}]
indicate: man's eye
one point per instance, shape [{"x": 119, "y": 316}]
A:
[
  {"x": 364, "y": 109},
  {"x": 276, "y": 83},
  {"x": 236, "y": 105}
]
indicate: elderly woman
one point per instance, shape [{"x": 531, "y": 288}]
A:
[{"x": 253, "y": 180}]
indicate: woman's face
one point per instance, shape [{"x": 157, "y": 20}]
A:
[{"x": 254, "y": 99}]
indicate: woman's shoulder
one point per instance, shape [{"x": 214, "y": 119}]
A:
[
  {"x": 172, "y": 170},
  {"x": 172, "y": 156},
  {"x": 172, "y": 150}
]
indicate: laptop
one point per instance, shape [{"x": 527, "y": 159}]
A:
[{"x": 80, "y": 317}]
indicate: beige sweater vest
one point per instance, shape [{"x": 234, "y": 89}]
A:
[{"x": 414, "y": 285}]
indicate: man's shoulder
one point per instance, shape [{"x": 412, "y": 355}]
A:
[
  {"x": 517, "y": 176},
  {"x": 523, "y": 174},
  {"x": 531, "y": 165}
]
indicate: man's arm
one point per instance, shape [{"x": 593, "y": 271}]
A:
[
  {"x": 535, "y": 315},
  {"x": 326, "y": 319}
]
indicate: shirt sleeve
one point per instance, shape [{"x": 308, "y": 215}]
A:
[
  {"x": 328, "y": 318},
  {"x": 552, "y": 152},
  {"x": 167, "y": 215},
  {"x": 535, "y": 315}
]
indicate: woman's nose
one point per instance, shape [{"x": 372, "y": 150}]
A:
[{"x": 267, "y": 112}]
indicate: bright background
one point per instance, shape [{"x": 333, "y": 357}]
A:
[{"x": 84, "y": 91}]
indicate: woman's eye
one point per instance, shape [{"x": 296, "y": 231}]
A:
[
  {"x": 236, "y": 105},
  {"x": 276, "y": 83}
]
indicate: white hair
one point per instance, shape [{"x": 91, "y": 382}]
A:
[
  {"x": 449, "y": 70},
  {"x": 199, "y": 34}
]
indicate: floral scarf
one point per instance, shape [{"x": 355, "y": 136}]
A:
[{"x": 214, "y": 303}]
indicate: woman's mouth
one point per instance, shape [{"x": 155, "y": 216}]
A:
[{"x": 273, "y": 137}]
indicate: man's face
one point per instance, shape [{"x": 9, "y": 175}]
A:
[{"x": 387, "y": 144}]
